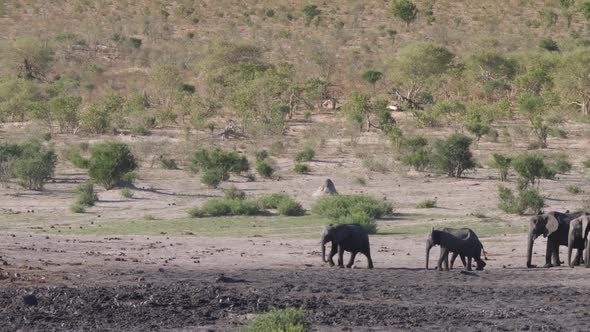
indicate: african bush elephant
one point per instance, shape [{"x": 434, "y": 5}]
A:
[
  {"x": 578, "y": 238},
  {"x": 461, "y": 241},
  {"x": 346, "y": 237},
  {"x": 555, "y": 227}
]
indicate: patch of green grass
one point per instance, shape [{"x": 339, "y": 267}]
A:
[
  {"x": 573, "y": 189},
  {"x": 287, "y": 320},
  {"x": 483, "y": 229}
]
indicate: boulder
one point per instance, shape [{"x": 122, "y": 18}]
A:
[{"x": 328, "y": 188}]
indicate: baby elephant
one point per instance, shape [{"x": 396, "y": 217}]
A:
[
  {"x": 346, "y": 237},
  {"x": 461, "y": 241}
]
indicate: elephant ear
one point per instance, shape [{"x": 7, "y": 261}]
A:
[{"x": 552, "y": 223}]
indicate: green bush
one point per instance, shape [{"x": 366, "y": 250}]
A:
[
  {"x": 528, "y": 200},
  {"x": 264, "y": 169},
  {"x": 415, "y": 152},
  {"x": 586, "y": 163},
  {"x": 168, "y": 163},
  {"x": 227, "y": 207},
  {"x": 135, "y": 42},
  {"x": 85, "y": 195},
  {"x": 502, "y": 163},
  {"x": 573, "y": 189},
  {"x": 290, "y": 208},
  {"x": 452, "y": 155},
  {"x": 140, "y": 131},
  {"x": 34, "y": 165},
  {"x": 283, "y": 320},
  {"x": 111, "y": 164},
  {"x": 426, "y": 204},
  {"x": 232, "y": 192},
  {"x": 343, "y": 208},
  {"x": 362, "y": 219},
  {"x": 549, "y": 44},
  {"x": 261, "y": 155},
  {"x": 561, "y": 164},
  {"x": 272, "y": 201},
  {"x": 300, "y": 168},
  {"x": 73, "y": 156},
  {"x": 127, "y": 193},
  {"x": 212, "y": 177},
  {"x": 216, "y": 165},
  {"x": 306, "y": 155},
  {"x": 531, "y": 168},
  {"x": 77, "y": 208}
]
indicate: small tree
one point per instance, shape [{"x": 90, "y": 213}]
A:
[
  {"x": 216, "y": 165},
  {"x": 311, "y": 12},
  {"x": 372, "y": 77},
  {"x": 109, "y": 163},
  {"x": 531, "y": 169},
  {"x": 502, "y": 163},
  {"x": 34, "y": 165},
  {"x": 452, "y": 156},
  {"x": 405, "y": 10},
  {"x": 534, "y": 108}
]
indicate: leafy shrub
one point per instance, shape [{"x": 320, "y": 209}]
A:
[
  {"x": 415, "y": 152},
  {"x": 549, "y": 44},
  {"x": 562, "y": 164},
  {"x": 85, "y": 195},
  {"x": 168, "y": 163},
  {"x": 528, "y": 200},
  {"x": 77, "y": 208},
  {"x": 212, "y": 177},
  {"x": 127, "y": 193},
  {"x": 111, "y": 163},
  {"x": 405, "y": 10},
  {"x": 306, "y": 155},
  {"x": 426, "y": 204},
  {"x": 290, "y": 207},
  {"x": 300, "y": 168},
  {"x": 502, "y": 163},
  {"x": 310, "y": 11},
  {"x": 264, "y": 169},
  {"x": 285, "y": 320},
  {"x": 531, "y": 168},
  {"x": 346, "y": 208},
  {"x": 272, "y": 201},
  {"x": 135, "y": 42},
  {"x": 227, "y": 207},
  {"x": 34, "y": 165},
  {"x": 586, "y": 163},
  {"x": 261, "y": 155},
  {"x": 140, "y": 131},
  {"x": 216, "y": 165},
  {"x": 452, "y": 155},
  {"x": 73, "y": 156},
  {"x": 232, "y": 192},
  {"x": 573, "y": 189}
]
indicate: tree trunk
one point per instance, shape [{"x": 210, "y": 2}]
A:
[{"x": 586, "y": 105}]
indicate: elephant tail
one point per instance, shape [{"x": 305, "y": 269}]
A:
[{"x": 484, "y": 253}]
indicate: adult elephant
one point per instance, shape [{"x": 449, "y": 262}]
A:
[
  {"x": 578, "y": 238},
  {"x": 555, "y": 227},
  {"x": 459, "y": 241},
  {"x": 346, "y": 237}
]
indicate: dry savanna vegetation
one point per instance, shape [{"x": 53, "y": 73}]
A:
[{"x": 151, "y": 149}]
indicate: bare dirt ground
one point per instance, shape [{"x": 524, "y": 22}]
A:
[
  {"x": 143, "y": 283},
  {"x": 185, "y": 282}
]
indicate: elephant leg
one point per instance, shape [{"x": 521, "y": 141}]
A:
[
  {"x": 441, "y": 257},
  {"x": 369, "y": 260},
  {"x": 332, "y": 253},
  {"x": 548, "y": 253},
  {"x": 340, "y": 256},
  {"x": 468, "y": 266},
  {"x": 351, "y": 260},
  {"x": 463, "y": 260},
  {"x": 480, "y": 264},
  {"x": 555, "y": 256},
  {"x": 445, "y": 257},
  {"x": 578, "y": 260}
]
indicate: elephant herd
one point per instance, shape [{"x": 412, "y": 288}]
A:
[{"x": 560, "y": 229}]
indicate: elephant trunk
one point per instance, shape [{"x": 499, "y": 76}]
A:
[
  {"x": 570, "y": 247},
  {"x": 529, "y": 252},
  {"x": 429, "y": 246},
  {"x": 324, "y": 249}
]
